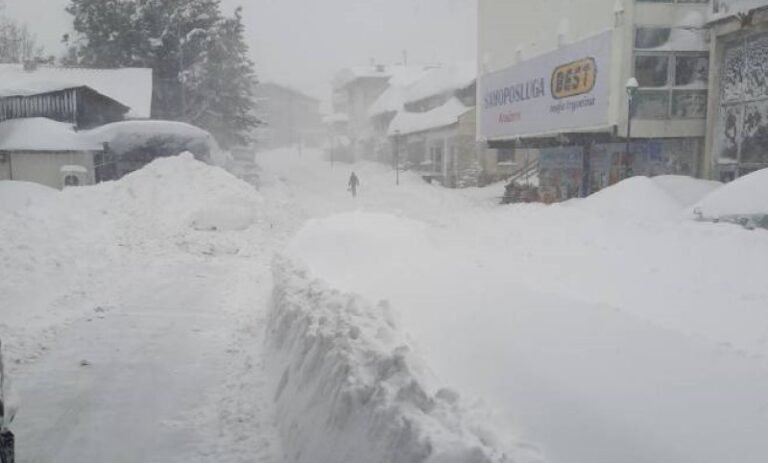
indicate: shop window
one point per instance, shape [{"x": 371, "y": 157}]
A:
[
  {"x": 652, "y": 71},
  {"x": 651, "y": 104},
  {"x": 692, "y": 70},
  {"x": 689, "y": 104},
  {"x": 754, "y": 145}
]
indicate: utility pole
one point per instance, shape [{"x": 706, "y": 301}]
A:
[{"x": 397, "y": 157}]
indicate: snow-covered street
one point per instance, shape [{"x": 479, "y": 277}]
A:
[{"x": 610, "y": 329}]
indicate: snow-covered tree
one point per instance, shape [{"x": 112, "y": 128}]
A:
[
  {"x": 199, "y": 57},
  {"x": 17, "y": 43}
]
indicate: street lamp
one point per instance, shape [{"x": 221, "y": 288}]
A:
[
  {"x": 631, "y": 87},
  {"x": 397, "y": 157}
]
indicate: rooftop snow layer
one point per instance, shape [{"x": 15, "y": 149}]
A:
[
  {"x": 129, "y": 133},
  {"x": 746, "y": 195},
  {"x": 130, "y": 86},
  {"x": 443, "y": 116},
  {"x": 441, "y": 80},
  {"x": 393, "y": 97},
  {"x": 42, "y": 134}
]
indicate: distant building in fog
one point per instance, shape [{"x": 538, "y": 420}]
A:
[{"x": 292, "y": 117}]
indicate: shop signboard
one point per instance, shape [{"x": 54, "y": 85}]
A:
[{"x": 565, "y": 90}]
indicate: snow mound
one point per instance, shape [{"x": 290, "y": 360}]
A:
[
  {"x": 686, "y": 190},
  {"x": 15, "y": 196},
  {"x": 637, "y": 198},
  {"x": 350, "y": 388},
  {"x": 177, "y": 193},
  {"x": 747, "y": 195}
]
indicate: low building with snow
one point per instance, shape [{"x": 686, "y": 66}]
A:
[
  {"x": 47, "y": 152},
  {"x": 131, "y": 87},
  {"x": 79, "y": 105},
  {"x": 553, "y": 80},
  {"x": 356, "y": 91},
  {"x": 434, "y": 130},
  {"x": 737, "y": 135}
]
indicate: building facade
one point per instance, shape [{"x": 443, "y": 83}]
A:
[
  {"x": 291, "y": 117},
  {"x": 564, "y": 65},
  {"x": 737, "y": 135}
]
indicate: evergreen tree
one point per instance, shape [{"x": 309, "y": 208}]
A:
[{"x": 202, "y": 73}]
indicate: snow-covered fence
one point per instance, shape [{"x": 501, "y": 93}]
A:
[{"x": 348, "y": 391}]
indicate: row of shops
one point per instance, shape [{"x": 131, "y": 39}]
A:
[{"x": 649, "y": 88}]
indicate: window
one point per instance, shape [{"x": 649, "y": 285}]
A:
[
  {"x": 691, "y": 71},
  {"x": 673, "y": 84},
  {"x": 506, "y": 155},
  {"x": 652, "y": 71},
  {"x": 652, "y": 37},
  {"x": 71, "y": 180}
]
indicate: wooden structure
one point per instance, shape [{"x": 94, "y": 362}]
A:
[{"x": 79, "y": 105}]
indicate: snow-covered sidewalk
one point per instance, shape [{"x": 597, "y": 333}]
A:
[{"x": 133, "y": 318}]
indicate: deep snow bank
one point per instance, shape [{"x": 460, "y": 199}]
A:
[
  {"x": 746, "y": 195},
  {"x": 350, "y": 389},
  {"x": 59, "y": 248}
]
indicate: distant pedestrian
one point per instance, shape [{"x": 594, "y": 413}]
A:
[{"x": 354, "y": 182}]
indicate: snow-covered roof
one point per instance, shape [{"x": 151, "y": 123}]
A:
[
  {"x": 129, "y": 86},
  {"x": 393, "y": 97},
  {"x": 441, "y": 80},
  {"x": 42, "y": 134},
  {"x": 125, "y": 134},
  {"x": 443, "y": 116}
]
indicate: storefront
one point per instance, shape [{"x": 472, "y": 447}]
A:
[{"x": 738, "y": 143}]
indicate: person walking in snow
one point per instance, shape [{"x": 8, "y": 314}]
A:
[{"x": 354, "y": 182}]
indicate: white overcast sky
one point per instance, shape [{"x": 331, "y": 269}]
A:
[{"x": 303, "y": 42}]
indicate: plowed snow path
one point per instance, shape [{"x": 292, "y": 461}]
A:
[{"x": 169, "y": 372}]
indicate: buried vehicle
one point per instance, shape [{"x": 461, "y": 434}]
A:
[
  {"x": 7, "y": 413},
  {"x": 130, "y": 145}
]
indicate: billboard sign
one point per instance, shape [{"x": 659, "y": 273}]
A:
[{"x": 565, "y": 90}]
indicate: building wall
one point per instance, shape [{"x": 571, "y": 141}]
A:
[
  {"x": 733, "y": 145},
  {"x": 292, "y": 117},
  {"x": 45, "y": 168},
  {"x": 510, "y": 33}
]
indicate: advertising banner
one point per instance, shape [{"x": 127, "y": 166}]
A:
[{"x": 565, "y": 90}]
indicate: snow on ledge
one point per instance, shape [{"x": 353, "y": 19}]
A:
[{"x": 348, "y": 388}]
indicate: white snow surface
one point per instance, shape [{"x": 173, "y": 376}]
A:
[
  {"x": 746, "y": 195},
  {"x": 596, "y": 333},
  {"x": 135, "y": 314},
  {"x": 351, "y": 388},
  {"x": 131, "y": 331},
  {"x": 446, "y": 78},
  {"x": 42, "y": 134},
  {"x": 442, "y": 116},
  {"x": 129, "y": 86}
]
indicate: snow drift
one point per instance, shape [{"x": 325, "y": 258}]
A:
[
  {"x": 350, "y": 388},
  {"x": 746, "y": 195}
]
